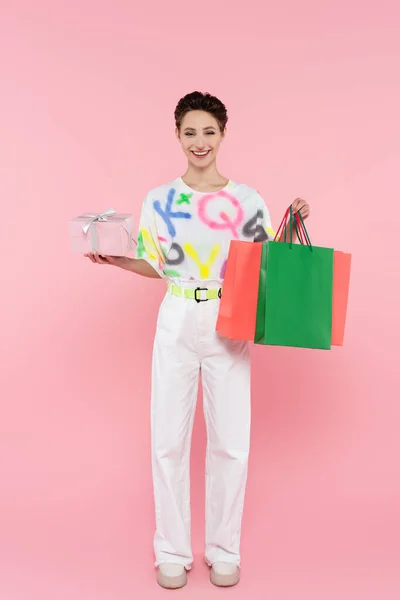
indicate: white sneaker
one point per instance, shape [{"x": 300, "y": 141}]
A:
[
  {"x": 225, "y": 574},
  {"x": 171, "y": 576}
]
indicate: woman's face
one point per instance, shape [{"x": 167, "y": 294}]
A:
[{"x": 200, "y": 138}]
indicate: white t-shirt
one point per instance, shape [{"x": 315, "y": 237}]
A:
[{"x": 185, "y": 234}]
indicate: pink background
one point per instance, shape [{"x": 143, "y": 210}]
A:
[{"x": 86, "y": 121}]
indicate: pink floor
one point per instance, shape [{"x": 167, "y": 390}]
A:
[{"x": 112, "y": 577}]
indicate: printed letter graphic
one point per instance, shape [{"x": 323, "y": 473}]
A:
[
  {"x": 184, "y": 198},
  {"x": 254, "y": 229},
  {"x": 147, "y": 246},
  {"x": 203, "y": 267},
  {"x": 140, "y": 247},
  {"x": 223, "y": 270},
  {"x": 167, "y": 215},
  {"x": 180, "y": 255},
  {"x": 225, "y": 222}
]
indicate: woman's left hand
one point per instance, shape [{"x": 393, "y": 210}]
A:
[{"x": 302, "y": 207}]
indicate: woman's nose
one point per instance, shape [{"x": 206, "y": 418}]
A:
[{"x": 199, "y": 143}]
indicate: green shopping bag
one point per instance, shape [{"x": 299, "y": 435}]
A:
[{"x": 295, "y": 292}]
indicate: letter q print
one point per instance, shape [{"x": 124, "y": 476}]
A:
[{"x": 224, "y": 222}]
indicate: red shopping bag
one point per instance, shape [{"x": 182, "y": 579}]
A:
[
  {"x": 341, "y": 283},
  {"x": 238, "y": 307}
]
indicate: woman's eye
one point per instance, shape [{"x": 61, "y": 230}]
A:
[{"x": 189, "y": 134}]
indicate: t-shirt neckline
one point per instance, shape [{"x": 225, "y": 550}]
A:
[{"x": 204, "y": 193}]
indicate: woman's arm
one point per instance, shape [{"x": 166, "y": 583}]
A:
[
  {"x": 143, "y": 268},
  {"x": 134, "y": 265}
]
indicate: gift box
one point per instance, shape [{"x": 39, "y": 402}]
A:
[{"x": 108, "y": 233}]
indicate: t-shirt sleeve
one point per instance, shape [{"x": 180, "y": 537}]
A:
[
  {"x": 148, "y": 243},
  {"x": 264, "y": 231}
]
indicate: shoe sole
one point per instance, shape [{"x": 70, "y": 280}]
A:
[
  {"x": 224, "y": 580},
  {"x": 171, "y": 583}
]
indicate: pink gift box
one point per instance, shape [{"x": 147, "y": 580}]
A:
[{"x": 107, "y": 233}]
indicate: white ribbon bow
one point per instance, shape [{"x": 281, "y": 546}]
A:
[
  {"x": 96, "y": 217},
  {"x": 103, "y": 216}
]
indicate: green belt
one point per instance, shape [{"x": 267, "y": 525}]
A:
[{"x": 198, "y": 294}]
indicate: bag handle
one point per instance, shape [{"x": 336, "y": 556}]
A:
[
  {"x": 302, "y": 232},
  {"x": 282, "y": 226},
  {"x": 299, "y": 231},
  {"x": 299, "y": 226}
]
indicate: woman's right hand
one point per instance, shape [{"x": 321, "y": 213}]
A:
[{"x": 117, "y": 261}]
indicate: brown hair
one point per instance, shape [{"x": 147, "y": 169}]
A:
[{"x": 200, "y": 101}]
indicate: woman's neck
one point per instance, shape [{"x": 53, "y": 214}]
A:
[{"x": 205, "y": 178}]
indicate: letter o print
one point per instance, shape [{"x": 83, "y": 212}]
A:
[{"x": 179, "y": 258}]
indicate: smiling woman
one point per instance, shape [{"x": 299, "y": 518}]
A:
[{"x": 185, "y": 232}]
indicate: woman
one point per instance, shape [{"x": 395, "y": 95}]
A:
[{"x": 184, "y": 235}]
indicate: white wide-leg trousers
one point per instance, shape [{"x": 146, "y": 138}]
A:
[{"x": 186, "y": 344}]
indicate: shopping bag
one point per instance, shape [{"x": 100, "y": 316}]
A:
[
  {"x": 237, "y": 312},
  {"x": 341, "y": 284},
  {"x": 294, "y": 305}
]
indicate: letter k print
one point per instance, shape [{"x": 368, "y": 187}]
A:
[{"x": 167, "y": 214}]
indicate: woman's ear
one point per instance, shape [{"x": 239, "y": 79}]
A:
[
  {"x": 224, "y": 134},
  {"x": 177, "y": 133}
]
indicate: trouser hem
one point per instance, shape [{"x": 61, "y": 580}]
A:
[{"x": 173, "y": 561}]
